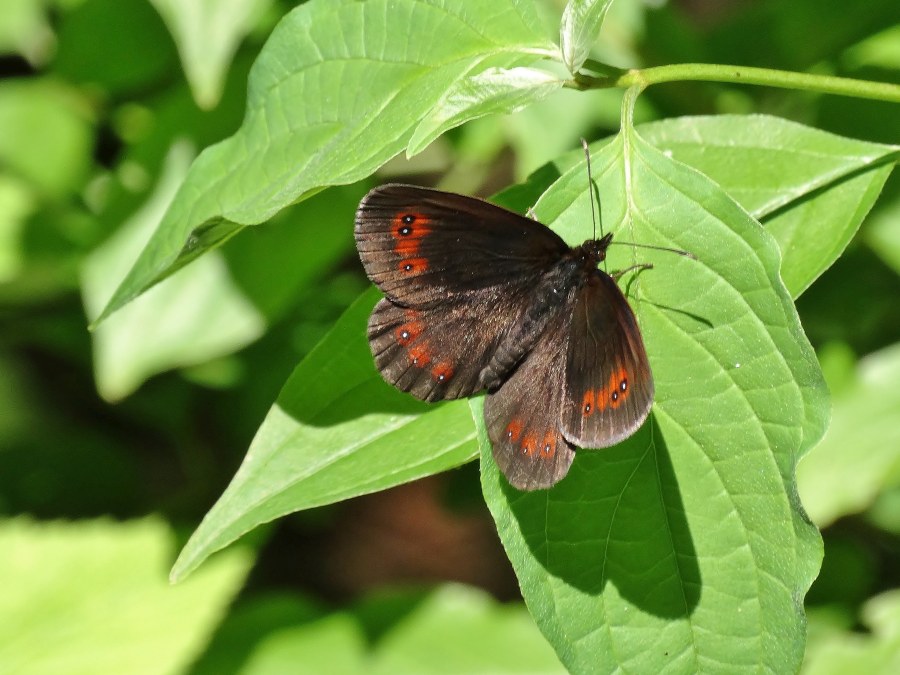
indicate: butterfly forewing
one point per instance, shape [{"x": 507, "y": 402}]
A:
[
  {"x": 608, "y": 386},
  {"x": 422, "y": 247},
  {"x": 522, "y": 416}
]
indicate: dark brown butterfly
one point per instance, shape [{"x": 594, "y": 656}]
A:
[{"x": 478, "y": 297}]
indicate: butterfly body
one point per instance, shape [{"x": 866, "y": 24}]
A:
[{"x": 480, "y": 298}]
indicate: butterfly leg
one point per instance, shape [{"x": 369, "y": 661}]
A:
[{"x": 641, "y": 266}]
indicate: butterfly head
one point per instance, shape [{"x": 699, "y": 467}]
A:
[{"x": 593, "y": 251}]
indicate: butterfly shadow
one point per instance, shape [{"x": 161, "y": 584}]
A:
[{"x": 619, "y": 518}]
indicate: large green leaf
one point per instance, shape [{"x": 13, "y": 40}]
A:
[
  {"x": 331, "y": 97},
  {"x": 684, "y": 548}
]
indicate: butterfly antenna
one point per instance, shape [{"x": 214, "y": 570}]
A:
[
  {"x": 678, "y": 251},
  {"x": 594, "y": 209}
]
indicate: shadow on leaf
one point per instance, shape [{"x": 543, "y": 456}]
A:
[{"x": 617, "y": 517}]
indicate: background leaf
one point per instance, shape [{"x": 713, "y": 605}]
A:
[
  {"x": 877, "y": 651},
  {"x": 207, "y": 33},
  {"x": 190, "y": 318},
  {"x": 859, "y": 457},
  {"x": 581, "y": 21},
  {"x": 49, "y": 625}
]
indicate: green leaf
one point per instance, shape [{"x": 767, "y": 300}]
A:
[
  {"x": 882, "y": 233},
  {"x": 810, "y": 189},
  {"x": 878, "y": 651},
  {"x": 335, "y": 644},
  {"x": 24, "y": 30},
  {"x": 581, "y": 23},
  {"x": 47, "y": 135},
  {"x": 495, "y": 90},
  {"x": 190, "y": 318},
  {"x": 207, "y": 33},
  {"x": 497, "y": 639},
  {"x": 92, "y": 597},
  {"x": 336, "y": 431},
  {"x": 859, "y": 456},
  {"x": 17, "y": 203},
  {"x": 684, "y": 548},
  {"x": 332, "y": 96}
]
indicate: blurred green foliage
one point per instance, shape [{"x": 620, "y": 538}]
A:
[{"x": 102, "y": 105}]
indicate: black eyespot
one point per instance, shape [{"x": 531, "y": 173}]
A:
[
  {"x": 623, "y": 385},
  {"x": 614, "y": 396},
  {"x": 405, "y": 231},
  {"x": 404, "y": 334},
  {"x": 408, "y": 267},
  {"x": 409, "y": 219},
  {"x": 587, "y": 407}
]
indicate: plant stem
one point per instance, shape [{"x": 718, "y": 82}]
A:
[{"x": 826, "y": 84}]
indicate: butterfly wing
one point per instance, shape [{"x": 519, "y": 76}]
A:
[
  {"x": 436, "y": 353},
  {"x": 457, "y": 272},
  {"x": 522, "y": 416},
  {"x": 608, "y": 384},
  {"x": 424, "y": 247}
]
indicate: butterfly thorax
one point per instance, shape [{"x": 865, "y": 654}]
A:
[{"x": 553, "y": 292}]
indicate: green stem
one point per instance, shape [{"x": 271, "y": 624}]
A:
[{"x": 826, "y": 84}]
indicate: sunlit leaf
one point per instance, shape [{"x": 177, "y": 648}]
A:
[
  {"x": 496, "y": 90},
  {"x": 93, "y": 597},
  {"x": 685, "y": 547},
  {"x": 330, "y": 99}
]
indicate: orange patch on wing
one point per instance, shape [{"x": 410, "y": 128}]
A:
[
  {"x": 408, "y": 229},
  {"x": 409, "y": 331},
  {"x": 413, "y": 265},
  {"x": 602, "y": 397},
  {"x": 419, "y": 354},
  {"x": 588, "y": 403},
  {"x": 514, "y": 430},
  {"x": 442, "y": 372},
  {"x": 618, "y": 388},
  {"x": 548, "y": 447},
  {"x": 529, "y": 443}
]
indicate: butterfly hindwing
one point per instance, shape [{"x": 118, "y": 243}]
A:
[
  {"x": 608, "y": 386},
  {"x": 522, "y": 416},
  {"x": 422, "y": 247},
  {"x": 436, "y": 353}
]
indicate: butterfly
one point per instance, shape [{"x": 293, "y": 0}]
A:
[{"x": 480, "y": 298}]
